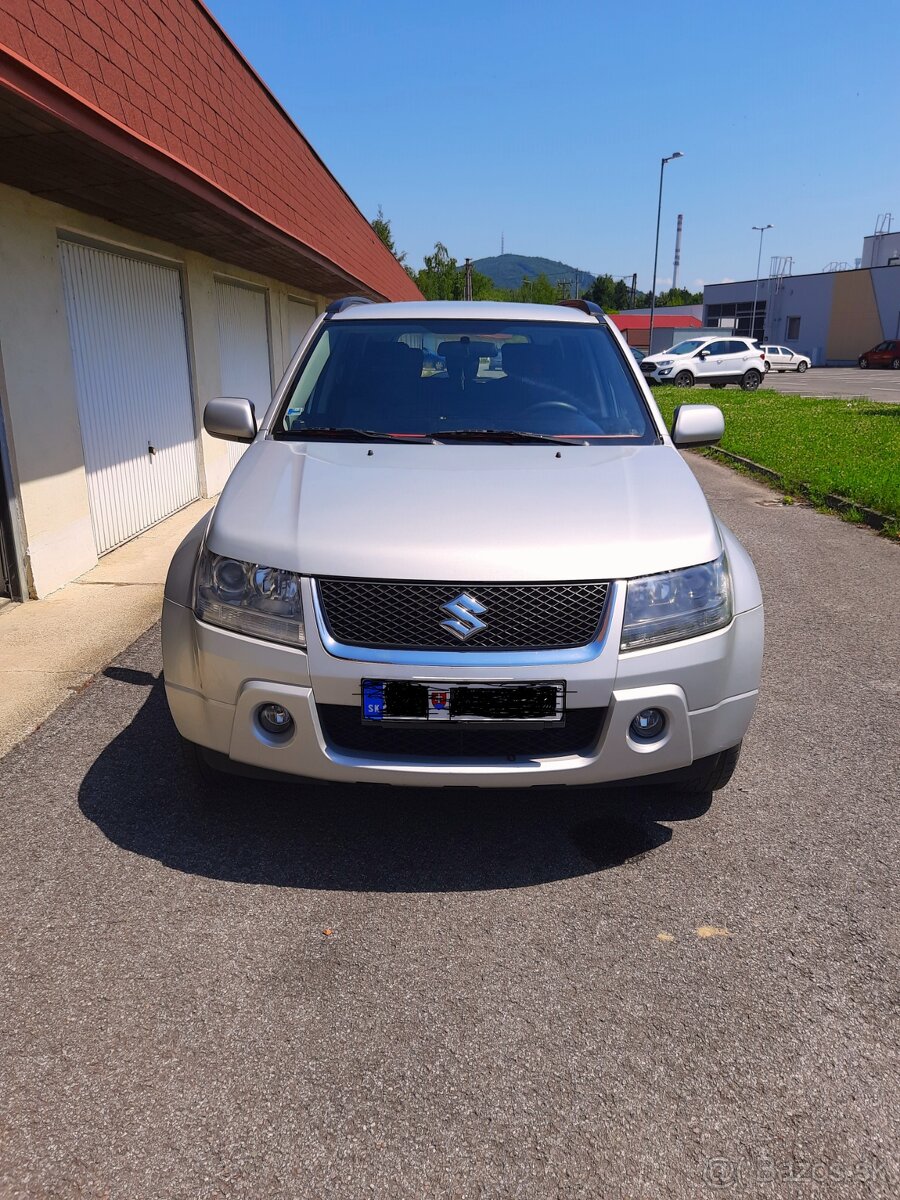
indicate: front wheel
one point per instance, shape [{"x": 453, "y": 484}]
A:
[
  {"x": 707, "y": 774},
  {"x": 801, "y": 367},
  {"x": 895, "y": 364},
  {"x": 751, "y": 380},
  {"x": 766, "y": 367},
  {"x": 863, "y": 362},
  {"x": 209, "y": 786},
  {"x": 683, "y": 379}
]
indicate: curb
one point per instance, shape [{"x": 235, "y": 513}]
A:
[{"x": 870, "y": 516}]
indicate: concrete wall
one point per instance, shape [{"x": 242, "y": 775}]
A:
[
  {"x": 37, "y": 388},
  {"x": 808, "y": 297},
  {"x": 886, "y": 283},
  {"x": 878, "y": 251}
]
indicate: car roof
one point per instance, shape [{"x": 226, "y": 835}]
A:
[{"x": 461, "y": 310}]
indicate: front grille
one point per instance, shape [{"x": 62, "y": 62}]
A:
[
  {"x": 344, "y": 730},
  {"x": 648, "y": 367},
  {"x": 408, "y": 616}
]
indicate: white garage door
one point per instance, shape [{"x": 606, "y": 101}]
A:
[
  {"x": 300, "y": 317},
  {"x": 126, "y": 326},
  {"x": 243, "y": 349}
]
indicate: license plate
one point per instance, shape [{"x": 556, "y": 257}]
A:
[{"x": 396, "y": 700}]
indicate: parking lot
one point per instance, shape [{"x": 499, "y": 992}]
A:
[
  {"x": 334, "y": 992},
  {"x": 838, "y": 381}
]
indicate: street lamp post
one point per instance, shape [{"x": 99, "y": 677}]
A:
[
  {"x": 662, "y": 167},
  {"x": 762, "y": 229}
]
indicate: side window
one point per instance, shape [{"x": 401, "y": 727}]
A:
[
  {"x": 737, "y": 347},
  {"x": 793, "y": 328},
  {"x": 312, "y": 372},
  {"x": 716, "y": 348}
]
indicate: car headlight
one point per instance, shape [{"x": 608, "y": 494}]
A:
[
  {"x": 677, "y": 604},
  {"x": 664, "y": 362},
  {"x": 665, "y": 371},
  {"x": 263, "y": 602}
]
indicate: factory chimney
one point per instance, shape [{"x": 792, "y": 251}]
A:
[{"x": 677, "y": 263}]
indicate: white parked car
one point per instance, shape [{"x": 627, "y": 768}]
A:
[
  {"x": 712, "y": 360},
  {"x": 504, "y": 579},
  {"x": 781, "y": 358}
]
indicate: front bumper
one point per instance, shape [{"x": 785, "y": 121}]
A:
[
  {"x": 707, "y": 686},
  {"x": 660, "y": 374}
]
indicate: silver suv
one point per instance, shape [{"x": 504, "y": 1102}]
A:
[
  {"x": 714, "y": 360},
  {"x": 499, "y": 573}
]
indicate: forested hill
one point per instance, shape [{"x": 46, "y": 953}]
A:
[{"x": 508, "y": 270}]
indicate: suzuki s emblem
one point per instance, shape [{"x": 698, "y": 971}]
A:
[{"x": 465, "y": 611}]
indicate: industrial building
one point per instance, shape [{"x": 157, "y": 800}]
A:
[
  {"x": 833, "y": 316},
  {"x": 167, "y": 234}
]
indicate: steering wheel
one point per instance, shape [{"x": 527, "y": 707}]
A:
[{"x": 551, "y": 404}]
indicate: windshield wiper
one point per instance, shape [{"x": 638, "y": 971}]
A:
[
  {"x": 349, "y": 434},
  {"x": 501, "y": 435}
]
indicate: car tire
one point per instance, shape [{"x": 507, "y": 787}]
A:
[
  {"x": 751, "y": 380},
  {"x": 766, "y": 367},
  {"x": 209, "y": 785},
  {"x": 683, "y": 379},
  {"x": 801, "y": 367},
  {"x": 895, "y": 364},
  {"x": 706, "y": 775},
  {"x": 863, "y": 362}
]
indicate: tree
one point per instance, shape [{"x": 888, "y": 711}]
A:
[
  {"x": 539, "y": 290},
  {"x": 440, "y": 278},
  {"x": 678, "y": 296},
  {"x": 614, "y": 295},
  {"x": 382, "y": 227}
]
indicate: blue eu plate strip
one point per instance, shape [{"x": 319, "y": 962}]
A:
[{"x": 373, "y": 700}]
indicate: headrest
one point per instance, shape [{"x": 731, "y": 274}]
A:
[
  {"x": 524, "y": 360},
  {"x": 394, "y": 359},
  {"x": 459, "y": 350}
]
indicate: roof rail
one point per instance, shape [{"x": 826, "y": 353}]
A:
[
  {"x": 588, "y": 306},
  {"x": 337, "y": 306}
]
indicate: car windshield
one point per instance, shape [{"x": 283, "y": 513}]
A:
[
  {"x": 406, "y": 379},
  {"x": 685, "y": 347}
]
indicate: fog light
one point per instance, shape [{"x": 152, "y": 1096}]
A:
[
  {"x": 648, "y": 724},
  {"x": 275, "y": 719}
]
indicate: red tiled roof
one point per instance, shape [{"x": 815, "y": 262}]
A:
[
  {"x": 165, "y": 73},
  {"x": 661, "y": 320}
]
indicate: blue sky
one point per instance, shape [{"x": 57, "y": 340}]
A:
[{"x": 547, "y": 123}]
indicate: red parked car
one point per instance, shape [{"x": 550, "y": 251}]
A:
[{"x": 885, "y": 354}]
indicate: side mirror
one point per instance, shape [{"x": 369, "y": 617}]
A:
[
  {"x": 697, "y": 425},
  {"x": 230, "y": 418},
  {"x": 703, "y": 354}
]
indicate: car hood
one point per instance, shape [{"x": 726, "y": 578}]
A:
[{"x": 477, "y": 513}]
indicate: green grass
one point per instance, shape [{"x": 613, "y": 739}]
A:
[{"x": 850, "y": 448}]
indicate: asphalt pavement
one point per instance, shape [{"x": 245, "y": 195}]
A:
[
  {"x": 881, "y": 385},
  {"x": 338, "y": 993}
]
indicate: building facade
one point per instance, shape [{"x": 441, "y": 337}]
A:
[
  {"x": 167, "y": 235},
  {"x": 669, "y": 325},
  {"x": 832, "y": 316}
]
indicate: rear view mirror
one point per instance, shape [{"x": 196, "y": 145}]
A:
[
  {"x": 697, "y": 425},
  {"x": 230, "y": 418}
]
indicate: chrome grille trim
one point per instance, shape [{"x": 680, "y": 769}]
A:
[{"x": 386, "y": 618}]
